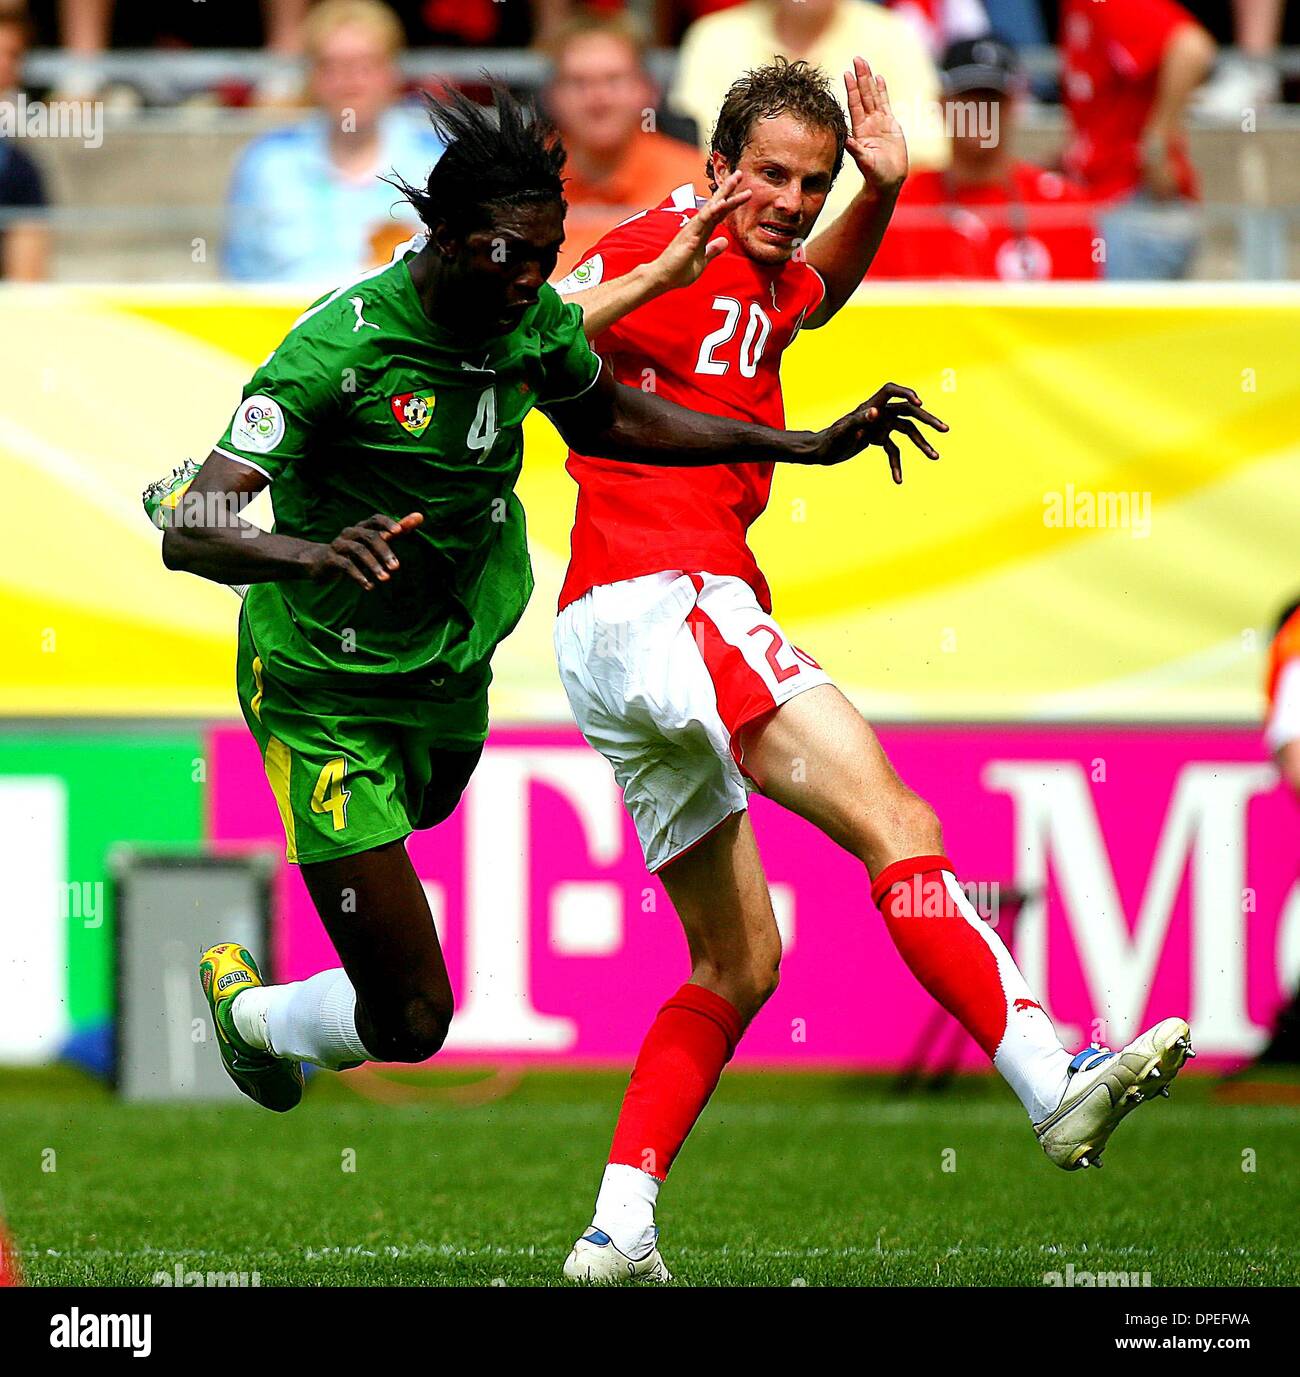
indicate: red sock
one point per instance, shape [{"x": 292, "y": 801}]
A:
[
  {"x": 690, "y": 1041},
  {"x": 946, "y": 949}
]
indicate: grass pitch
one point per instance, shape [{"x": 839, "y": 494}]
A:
[{"x": 446, "y": 1178}]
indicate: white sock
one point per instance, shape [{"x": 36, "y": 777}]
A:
[
  {"x": 1033, "y": 1063},
  {"x": 625, "y": 1209},
  {"x": 1030, "y": 1057},
  {"x": 248, "y": 1014},
  {"x": 309, "y": 1020}
]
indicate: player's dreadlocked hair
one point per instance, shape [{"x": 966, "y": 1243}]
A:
[
  {"x": 780, "y": 88},
  {"x": 503, "y": 155}
]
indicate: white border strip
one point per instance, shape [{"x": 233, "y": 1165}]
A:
[{"x": 240, "y": 459}]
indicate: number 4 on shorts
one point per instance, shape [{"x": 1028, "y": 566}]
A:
[{"x": 329, "y": 795}]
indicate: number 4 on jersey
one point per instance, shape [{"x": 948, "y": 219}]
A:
[{"x": 484, "y": 429}]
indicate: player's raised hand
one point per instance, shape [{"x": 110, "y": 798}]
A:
[
  {"x": 692, "y": 249},
  {"x": 363, "y": 552},
  {"x": 875, "y": 141},
  {"x": 893, "y": 408}
]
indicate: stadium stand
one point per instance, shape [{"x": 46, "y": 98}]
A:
[{"x": 145, "y": 201}]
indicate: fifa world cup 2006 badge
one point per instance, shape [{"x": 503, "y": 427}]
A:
[
  {"x": 257, "y": 425},
  {"x": 412, "y": 411},
  {"x": 586, "y": 274}
]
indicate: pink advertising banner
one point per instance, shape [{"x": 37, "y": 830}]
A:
[{"x": 1161, "y": 865}]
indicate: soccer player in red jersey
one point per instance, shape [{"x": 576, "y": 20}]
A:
[{"x": 679, "y": 675}]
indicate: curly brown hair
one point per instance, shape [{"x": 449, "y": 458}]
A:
[{"x": 779, "y": 88}]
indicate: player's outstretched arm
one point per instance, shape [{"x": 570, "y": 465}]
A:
[
  {"x": 686, "y": 256},
  {"x": 208, "y": 536},
  {"x": 612, "y": 421},
  {"x": 843, "y": 252}
]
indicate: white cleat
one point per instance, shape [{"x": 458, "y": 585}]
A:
[
  {"x": 1105, "y": 1086},
  {"x": 596, "y": 1262}
]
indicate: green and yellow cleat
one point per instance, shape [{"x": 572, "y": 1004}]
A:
[
  {"x": 225, "y": 971},
  {"x": 160, "y": 498}
]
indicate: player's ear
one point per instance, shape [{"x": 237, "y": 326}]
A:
[
  {"x": 718, "y": 169},
  {"x": 444, "y": 239}
]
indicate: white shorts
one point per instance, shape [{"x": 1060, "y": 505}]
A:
[{"x": 662, "y": 673}]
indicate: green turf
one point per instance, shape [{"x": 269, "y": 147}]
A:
[{"x": 788, "y": 1180}]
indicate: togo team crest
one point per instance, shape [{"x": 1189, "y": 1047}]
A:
[{"x": 412, "y": 411}]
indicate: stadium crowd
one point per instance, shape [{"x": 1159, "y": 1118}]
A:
[{"x": 1117, "y": 199}]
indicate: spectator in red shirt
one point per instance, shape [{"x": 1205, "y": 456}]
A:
[
  {"x": 989, "y": 214},
  {"x": 1129, "y": 68}
]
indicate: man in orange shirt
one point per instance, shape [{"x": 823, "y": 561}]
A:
[{"x": 603, "y": 102}]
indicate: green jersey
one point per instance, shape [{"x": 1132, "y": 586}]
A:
[{"x": 368, "y": 406}]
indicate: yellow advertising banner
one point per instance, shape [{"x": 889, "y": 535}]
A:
[{"x": 1112, "y": 526}]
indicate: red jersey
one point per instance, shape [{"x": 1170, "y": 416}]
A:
[
  {"x": 1110, "y": 63},
  {"x": 1285, "y": 648},
  {"x": 714, "y": 347},
  {"x": 1033, "y": 226}
]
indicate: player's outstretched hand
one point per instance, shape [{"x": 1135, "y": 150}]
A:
[
  {"x": 876, "y": 142},
  {"x": 691, "y": 249},
  {"x": 893, "y": 408},
  {"x": 362, "y": 552}
]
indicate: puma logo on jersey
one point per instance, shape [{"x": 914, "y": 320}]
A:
[
  {"x": 1023, "y": 1006},
  {"x": 357, "y": 304}
]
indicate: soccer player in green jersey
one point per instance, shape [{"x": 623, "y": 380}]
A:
[{"x": 388, "y": 423}]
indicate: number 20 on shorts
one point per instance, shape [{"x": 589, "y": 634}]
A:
[{"x": 775, "y": 644}]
